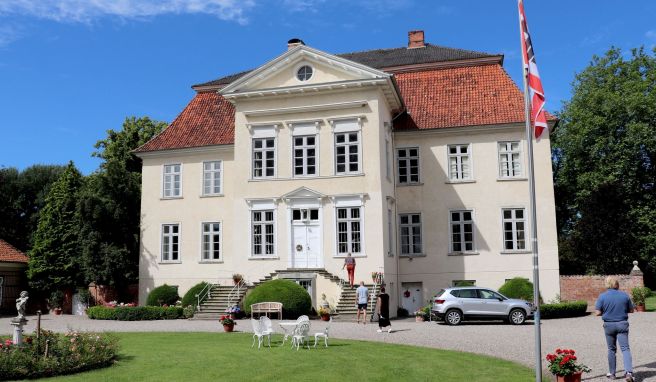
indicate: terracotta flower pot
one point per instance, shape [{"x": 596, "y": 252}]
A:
[
  {"x": 576, "y": 377},
  {"x": 641, "y": 308},
  {"x": 325, "y": 317},
  {"x": 419, "y": 319},
  {"x": 231, "y": 327}
]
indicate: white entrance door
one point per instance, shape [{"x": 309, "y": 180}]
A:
[
  {"x": 306, "y": 246},
  {"x": 415, "y": 297}
]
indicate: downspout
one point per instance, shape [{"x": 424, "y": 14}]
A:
[{"x": 396, "y": 212}]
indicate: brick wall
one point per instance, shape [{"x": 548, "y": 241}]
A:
[
  {"x": 589, "y": 287},
  {"x": 103, "y": 294}
]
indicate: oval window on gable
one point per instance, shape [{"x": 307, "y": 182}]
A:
[{"x": 304, "y": 73}]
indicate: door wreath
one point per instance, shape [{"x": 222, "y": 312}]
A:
[{"x": 406, "y": 294}]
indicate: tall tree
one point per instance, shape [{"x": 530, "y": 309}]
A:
[
  {"x": 54, "y": 258},
  {"x": 604, "y": 155},
  {"x": 110, "y": 206}
]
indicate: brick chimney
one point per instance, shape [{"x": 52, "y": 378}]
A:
[
  {"x": 293, "y": 43},
  {"x": 416, "y": 39}
]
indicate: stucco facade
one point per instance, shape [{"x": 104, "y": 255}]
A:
[{"x": 313, "y": 173}]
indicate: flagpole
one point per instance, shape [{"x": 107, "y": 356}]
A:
[{"x": 534, "y": 225}]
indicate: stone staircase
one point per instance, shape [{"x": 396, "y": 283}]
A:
[
  {"x": 346, "y": 307},
  {"x": 216, "y": 303}
]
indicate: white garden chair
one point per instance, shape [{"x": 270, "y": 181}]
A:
[
  {"x": 323, "y": 334},
  {"x": 258, "y": 332},
  {"x": 267, "y": 326},
  {"x": 300, "y": 335}
]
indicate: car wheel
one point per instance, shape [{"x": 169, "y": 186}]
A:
[
  {"x": 453, "y": 317},
  {"x": 517, "y": 317}
]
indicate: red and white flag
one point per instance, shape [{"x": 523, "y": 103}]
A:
[{"x": 538, "y": 115}]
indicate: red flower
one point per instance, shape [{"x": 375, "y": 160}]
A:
[
  {"x": 8, "y": 342},
  {"x": 574, "y": 357},
  {"x": 559, "y": 351}
]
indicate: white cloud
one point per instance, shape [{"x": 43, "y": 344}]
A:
[
  {"x": 86, "y": 11},
  {"x": 302, "y": 5}
]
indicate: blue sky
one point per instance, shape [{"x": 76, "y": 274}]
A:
[{"x": 71, "y": 69}]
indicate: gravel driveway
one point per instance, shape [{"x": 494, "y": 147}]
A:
[{"x": 584, "y": 334}]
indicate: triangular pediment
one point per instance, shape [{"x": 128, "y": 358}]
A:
[
  {"x": 281, "y": 72},
  {"x": 303, "y": 193}
]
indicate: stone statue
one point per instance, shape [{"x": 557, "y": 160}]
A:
[{"x": 21, "y": 303}]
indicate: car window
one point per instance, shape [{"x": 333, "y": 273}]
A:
[
  {"x": 488, "y": 294},
  {"x": 440, "y": 293},
  {"x": 466, "y": 293}
]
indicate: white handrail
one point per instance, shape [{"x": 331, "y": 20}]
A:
[{"x": 231, "y": 295}]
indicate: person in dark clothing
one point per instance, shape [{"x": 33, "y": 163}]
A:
[{"x": 382, "y": 307}]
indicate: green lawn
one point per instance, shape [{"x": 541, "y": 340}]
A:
[
  {"x": 650, "y": 303},
  {"x": 228, "y": 356}
]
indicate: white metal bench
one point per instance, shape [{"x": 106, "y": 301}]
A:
[{"x": 266, "y": 308}]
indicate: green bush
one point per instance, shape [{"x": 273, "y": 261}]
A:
[
  {"x": 163, "y": 295},
  {"x": 135, "y": 313},
  {"x": 640, "y": 294},
  {"x": 67, "y": 353},
  {"x": 564, "y": 309},
  {"x": 518, "y": 287},
  {"x": 295, "y": 300},
  {"x": 190, "y": 297}
]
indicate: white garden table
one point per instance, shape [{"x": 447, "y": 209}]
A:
[{"x": 288, "y": 329}]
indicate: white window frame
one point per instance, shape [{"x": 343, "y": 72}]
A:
[
  {"x": 304, "y": 157},
  {"x": 514, "y": 220},
  {"x": 349, "y": 229},
  {"x": 171, "y": 174},
  {"x": 347, "y": 163},
  {"x": 503, "y": 172},
  {"x": 458, "y": 156},
  {"x": 211, "y": 234},
  {"x": 263, "y": 233},
  {"x": 461, "y": 223},
  {"x": 264, "y": 150},
  {"x": 213, "y": 174},
  {"x": 349, "y": 201},
  {"x": 171, "y": 235},
  {"x": 407, "y": 163},
  {"x": 411, "y": 236}
]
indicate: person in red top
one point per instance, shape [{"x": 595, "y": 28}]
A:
[{"x": 349, "y": 264}]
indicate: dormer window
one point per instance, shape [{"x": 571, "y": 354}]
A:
[{"x": 304, "y": 73}]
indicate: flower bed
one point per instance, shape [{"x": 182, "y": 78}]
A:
[
  {"x": 564, "y": 309},
  {"x": 136, "y": 313},
  {"x": 55, "y": 354}
]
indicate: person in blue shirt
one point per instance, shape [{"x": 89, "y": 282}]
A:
[
  {"x": 614, "y": 307},
  {"x": 362, "y": 294}
]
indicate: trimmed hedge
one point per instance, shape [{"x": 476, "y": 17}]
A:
[
  {"x": 564, "y": 309},
  {"x": 190, "y": 297},
  {"x": 295, "y": 300},
  {"x": 518, "y": 287},
  {"x": 135, "y": 313},
  {"x": 163, "y": 295}
]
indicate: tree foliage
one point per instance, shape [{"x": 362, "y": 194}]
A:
[
  {"x": 110, "y": 206},
  {"x": 604, "y": 156},
  {"x": 53, "y": 259}
]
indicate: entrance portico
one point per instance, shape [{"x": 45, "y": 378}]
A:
[{"x": 305, "y": 227}]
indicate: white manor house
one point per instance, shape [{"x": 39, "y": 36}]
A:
[{"x": 412, "y": 159}]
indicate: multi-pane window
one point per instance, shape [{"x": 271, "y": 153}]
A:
[
  {"x": 349, "y": 226},
  {"x": 510, "y": 165},
  {"x": 462, "y": 231},
  {"x": 170, "y": 242},
  {"x": 514, "y": 229},
  {"x": 263, "y": 233},
  {"x": 264, "y": 157},
  {"x": 459, "y": 162},
  {"x": 211, "y": 241},
  {"x": 305, "y": 155},
  {"x": 410, "y": 227},
  {"x": 347, "y": 153},
  {"x": 212, "y": 178},
  {"x": 172, "y": 177},
  {"x": 408, "y": 163}
]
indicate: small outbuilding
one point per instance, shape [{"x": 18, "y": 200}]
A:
[{"x": 13, "y": 266}]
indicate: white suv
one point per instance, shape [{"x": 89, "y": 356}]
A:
[{"x": 454, "y": 305}]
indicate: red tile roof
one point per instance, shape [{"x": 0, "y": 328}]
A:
[
  {"x": 461, "y": 96},
  {"x": 209, "y": 119},
  {"x": 9, "y": 254}
]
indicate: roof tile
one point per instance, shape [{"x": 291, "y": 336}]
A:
[{"x": 9, "y": 253}]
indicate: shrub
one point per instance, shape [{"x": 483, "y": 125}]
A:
[
  {"x": 518, "y": 287},
  {"x": 190, "y": 297},
  {"x": 189, "y": 311},
  {"x": 136, "y": 313},
  {"x": 564, "y": 309},
  {"x": 163, "y": 295},
  {"x": 67, "y": 353},
  {"x": 56, "y": 299},
  {"x": 640, "y": 294},
  {"x": 295, "y": 300}
]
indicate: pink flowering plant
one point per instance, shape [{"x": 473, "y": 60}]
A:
[{"x": 563, "y": 362}]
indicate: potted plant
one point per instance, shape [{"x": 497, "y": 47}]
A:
[
  {"x": 563, "y": 365},
  {"x": 228, "y": 323},
  {"x": 324, "y": 313},
  {"x": 237, "y": 277},
  {"x": 56, "y": 300},
  {"x": 420, "y": 316},
  {"x": 377, "y": 277},
  {"x": 639, "y": 295}
]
